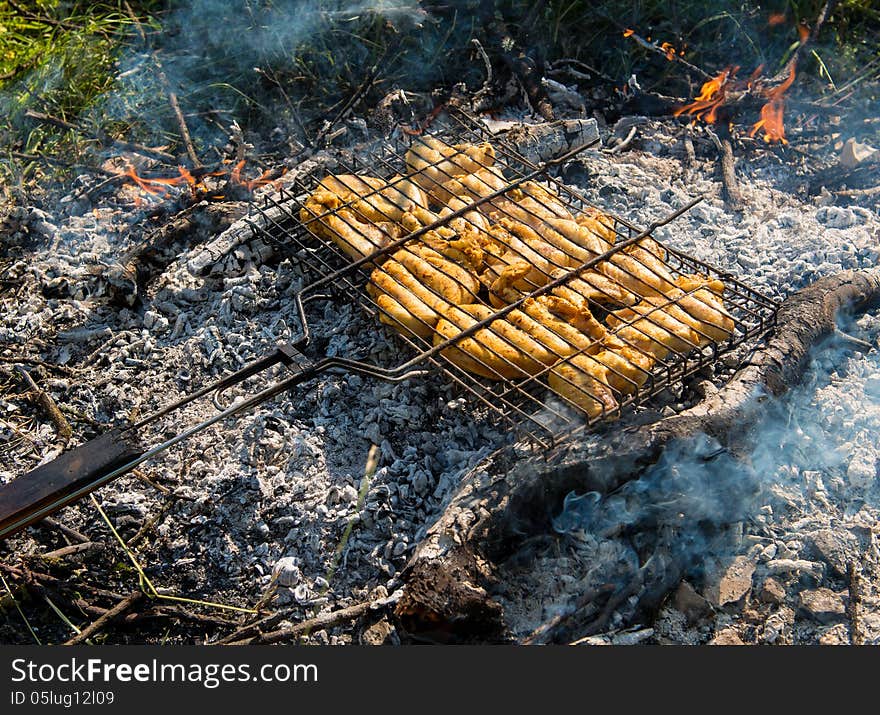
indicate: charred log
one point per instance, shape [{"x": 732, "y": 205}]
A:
[
  {"x": 151, "y": 256},
  {"x": 449, "y": 578}
]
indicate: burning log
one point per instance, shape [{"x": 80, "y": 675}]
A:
[{"x": 449, "y": 578}]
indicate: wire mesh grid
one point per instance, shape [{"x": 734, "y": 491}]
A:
[{"x": 432, "y": 207}]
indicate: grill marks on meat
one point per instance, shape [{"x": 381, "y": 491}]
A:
[{"x": 459, "y": 274}]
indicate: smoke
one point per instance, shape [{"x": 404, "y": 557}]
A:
[
  {"x": 250, "y": 61},
  {"x": 698, "y": 501}
]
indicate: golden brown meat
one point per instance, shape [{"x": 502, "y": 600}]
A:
[
  {"x": 432, "y": 162},
  {"x": 700, "y": 297},
  {"x": 528, "y": 262},
  {"x": 415, "y": 285},
  {"x": 343, "y": 227},
  {"x": 583, "y": 381},
  {"x": 471, "y": 222},
  {"x": 600, "y": 224},
  {"x": 473, "y": 186},
  {"x": 377, "y": 200},
  {"x": 596, "y": 383},
  {"x": 531, "y": 204},
  {"x": 562, "y": 328},
  {"x": 592, "y": 288},
  {"x": 653, "y": 328},
  {"x": 639, "y": 269},
  {"x": 498, "y": 351}
]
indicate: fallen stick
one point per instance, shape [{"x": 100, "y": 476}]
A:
[
  {"x": 111, "y": 615},
  {"x": 66, "y": 530},
  {"x": 506, "y": 499},
  {"x": 853, "y": 608},
  {"x": 250, "y": 630},
  {"x": 44, "y": 399},
  {"x": 327, "y": 620},
  {"x": 732, "y": 195},
  {"x": 671, "y": 55},
  {"x": 102, "y": 137},
  {"x": 181, "y": 122},
  {"x": 64, "y": 551}
]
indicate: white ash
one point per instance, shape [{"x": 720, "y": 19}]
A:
[{"x": 271, "y": 496}]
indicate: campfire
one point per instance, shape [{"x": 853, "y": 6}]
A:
[
  {"x": 196, "y": 181},
  {"x": 556, "y": 358}
]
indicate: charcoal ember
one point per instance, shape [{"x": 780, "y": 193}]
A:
[
  {"x": 836, "y": 547},
  {"x": 778, "y": 627},
  {"x": 771, "y": 591},
  {"x": 822, "y": 605}
]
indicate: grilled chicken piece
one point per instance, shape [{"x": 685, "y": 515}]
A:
[
  {"x": 416, "y": 285},
  {"x": 678, "y": 322},
  {"x": 703, "y": 302},
  {"x": 593, "y": 382},
  {"x": 501, "y": 350},
  {"x": 527, "y": 263},
  {"x": 583, "y": 381},
  {"x": 343, "y": 227},
  {"x": 377, "y": 200},
  {"x": 432, "y": 162},
  {"x": 531, "y": 204},
  {"x": 470, "y": 222},
  {"x": 600, "y": 224},
  {"x": 640, "y": 268},
  {"x": 592, "y": 287},
  {"x": 533, "y": 259},
  {"x": 564, "y": 329},
  {"x": 651, "y": 327},
  {"x": 472, "y": 186},
  {"x": 466, "y": 249}
]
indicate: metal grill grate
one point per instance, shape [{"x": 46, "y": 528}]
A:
[{"x": 342, "y": 270}]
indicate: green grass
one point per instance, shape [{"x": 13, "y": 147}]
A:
[
  {"x": 270, "y": 63},
  {"x": 59, "y": 59}
]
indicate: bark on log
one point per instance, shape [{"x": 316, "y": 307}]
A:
[
  {"x": 448, "y": 579},
  {"x": 127, "y": 278}
]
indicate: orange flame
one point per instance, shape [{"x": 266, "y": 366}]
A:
[
  {"x": 159, "y": 186},
  {"x": 669, "y": 50},
  {"x": 776, "y": 18},
  {"x": 711, "y": 97},
  {"x": 628, "y": 32},
  {"x": 803, "y": 33},
  {"x": 771, "y": 113}
]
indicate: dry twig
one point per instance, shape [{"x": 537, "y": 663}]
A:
[
  {"x": 109, "y": 616},
  {"x": 326, "y": 620},
  {"x": 62, "y": 426}
]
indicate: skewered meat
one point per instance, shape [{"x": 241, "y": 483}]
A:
[{"x": 416, "y": 285}]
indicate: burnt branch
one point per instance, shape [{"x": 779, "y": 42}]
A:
[{"x": 448, "y": 580}]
